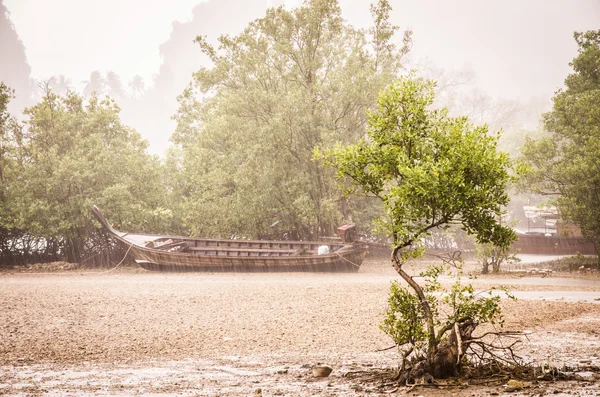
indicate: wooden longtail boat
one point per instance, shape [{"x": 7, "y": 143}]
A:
[{"x": 177, "y": 253}]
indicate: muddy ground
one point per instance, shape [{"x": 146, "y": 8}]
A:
[{"x": 131, "y": 332}]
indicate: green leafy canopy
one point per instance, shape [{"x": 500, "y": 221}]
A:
[
  {"x": 69, "y": 154},
  {"x": 565, "y": 166},
  {"x": 247, "y": 125},
  {"x": 429, "y": 170}
]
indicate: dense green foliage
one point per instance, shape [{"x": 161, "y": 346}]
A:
[
  {"x": 247, "y": 126},
  {"x": 565, "y": 165},
  {"x": 429, "y": 170},
  {"x": 7, "y": 126},
  {"x": 68, "y": 155}
]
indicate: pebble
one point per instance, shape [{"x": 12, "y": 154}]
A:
[{"x": 322, "y": 371}]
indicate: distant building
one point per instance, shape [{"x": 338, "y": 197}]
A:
[
  {"x": 552, "y": 224},
  {"x": 548, "y": 215},
  {"x": 554, "y": 237}
]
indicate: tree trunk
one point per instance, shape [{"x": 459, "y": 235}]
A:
[
  {"x": 595, "y": 242},
  {"x": 443, "y": 355},
  {"x": 486, "y": 268},
  {"x": 444, "y": 363},
  {"x": 345, "y": 209},
  {"x": 74, "y": 250},
  {"x": 496, "y": 266},
  {"x": 432, "y": 345}
]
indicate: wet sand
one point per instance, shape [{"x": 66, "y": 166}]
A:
[{"x": 140, "y": 333}]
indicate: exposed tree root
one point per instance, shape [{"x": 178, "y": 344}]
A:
[{"x": 452, "y": 341}]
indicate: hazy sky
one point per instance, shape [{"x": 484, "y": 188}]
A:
[
  {"x": 75, "y": 37},
  {"x": 516, "y": 48}
]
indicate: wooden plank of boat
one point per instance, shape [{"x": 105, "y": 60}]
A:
[
  {"x": 248, "y": 251},
  {"x": 179, "y": 253}
]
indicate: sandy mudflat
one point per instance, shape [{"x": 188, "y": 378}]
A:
[{"x": 141, "y": 333}]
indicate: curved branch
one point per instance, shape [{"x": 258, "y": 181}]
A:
[{"x": 422, "y": 298}]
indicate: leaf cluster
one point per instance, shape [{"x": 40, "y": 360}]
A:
[{"x": 428, "y": 169}]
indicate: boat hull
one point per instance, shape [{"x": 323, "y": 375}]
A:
[
  {"x": 187, "y": 254},
  {"x": 348, "y": 262}
]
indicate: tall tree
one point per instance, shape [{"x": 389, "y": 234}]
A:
[
  {"x": 60, "y": 84},
  {"x": 77, "y": 154},
  {"x": 96, "y": 83},
  {"x": 566, "y": 164},
  {"x": 247, "y": 125},
  {"x": 13, "y": 240},
  {"x": 6, "y": 94},
  {"x": 114, "y": 85},
  {"x": 429, "y": 171},
  {"x": 136, "y": 86}
]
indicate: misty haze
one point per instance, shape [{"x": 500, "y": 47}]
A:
[{"x": 299, "y": 197}]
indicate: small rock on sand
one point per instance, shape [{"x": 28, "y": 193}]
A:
[{"x": 322, "y": 371}]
